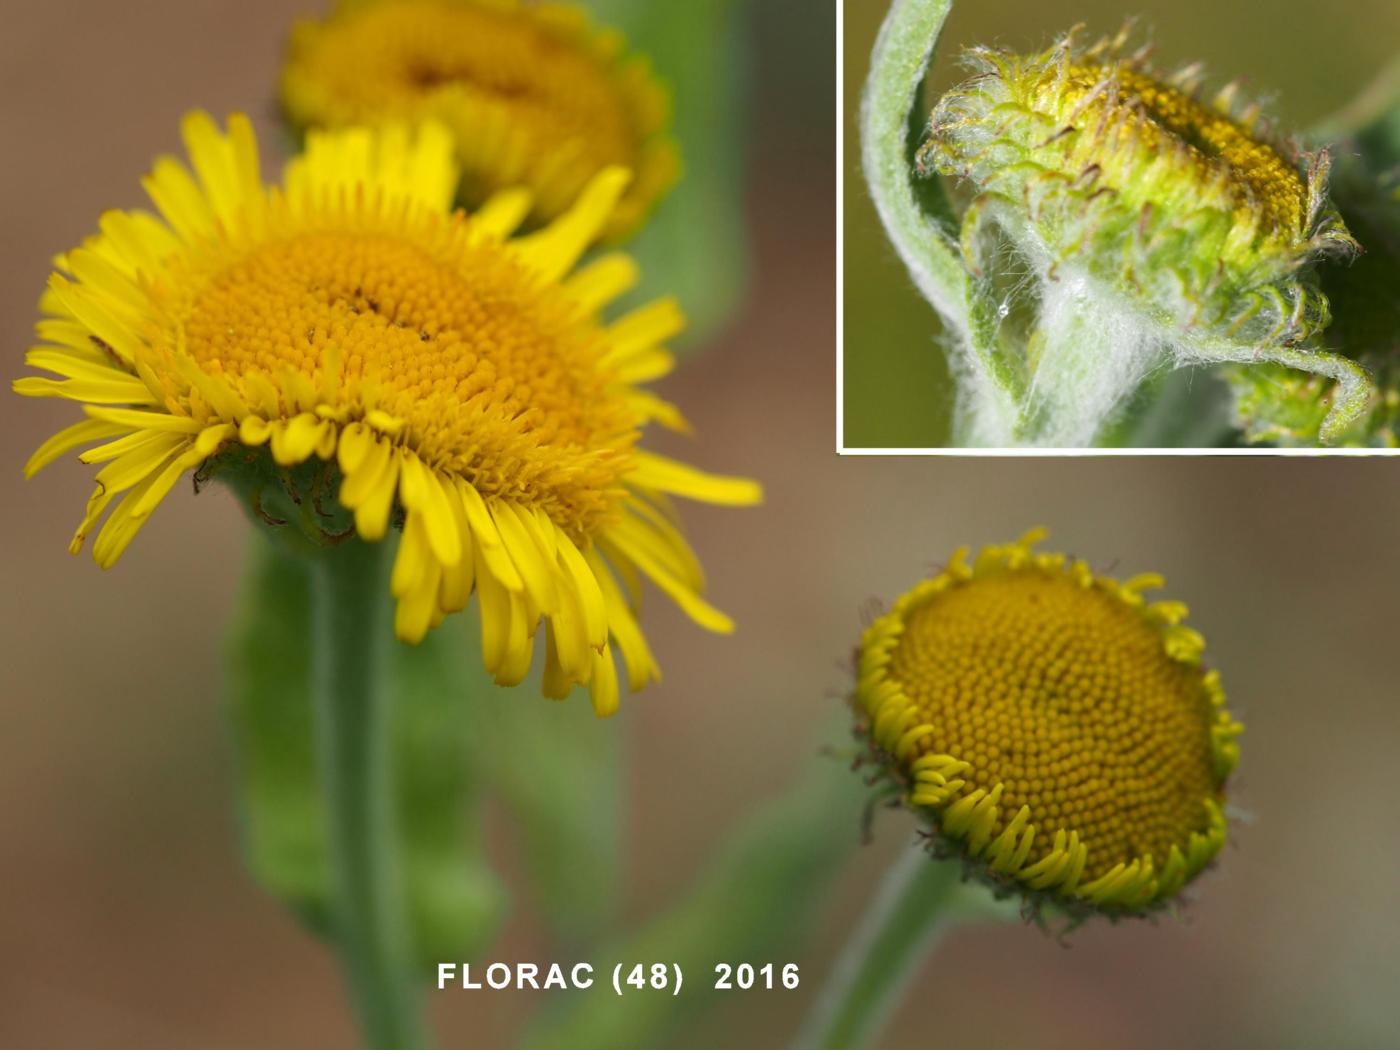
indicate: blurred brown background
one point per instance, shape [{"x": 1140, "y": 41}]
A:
[
  {"x": 1304, "y": 59},
  {"x": 126, "y": 921}
]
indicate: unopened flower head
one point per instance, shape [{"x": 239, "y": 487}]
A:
[
  {"x": 533, "y": 94},
  {"x": 1184, "y": 207},
  {"x": 1056, "y": 728},
  {"x": 349, "y": 340}
]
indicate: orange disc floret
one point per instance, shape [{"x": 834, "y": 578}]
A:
[
  {"x": 497, "y": 375},
  {"x": 1054, "y": 723}
]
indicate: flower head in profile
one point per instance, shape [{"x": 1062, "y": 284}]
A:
[
  {"x": 346, "y": 345},
  {"x": 533, "y": 94},
  {"x": 1055, "y": 728},
  {"x": 1097, "y": 164}
]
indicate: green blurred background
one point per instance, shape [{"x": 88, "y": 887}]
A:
[
  {"x": 127, "y": 921},
  {"x": 1304, "y": 58}
]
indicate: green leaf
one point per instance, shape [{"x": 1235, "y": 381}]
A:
[
  {"x": 919, "y": 220},
  {"x": 1365, "y": 297},
  {"x": 454, "y": 899},
  {"x": 269, "y": 682},
  {"x": 1286, "y": 407},
  {"x": 694, "y": 246},
  {"x": 754, "y": 903},
  {"x": 557, "y": 769}
]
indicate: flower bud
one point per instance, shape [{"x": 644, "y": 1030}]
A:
[{"x": 1092, "y": 163}]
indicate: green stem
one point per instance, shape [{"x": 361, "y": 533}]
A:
[
  {"x": 756, "y": 899},
  {"x": 1088, "y": 361},
  {"x": 918, "y": 218},
  {"x": 351, "y": 639},
  {"x": 908, "y": 916}
]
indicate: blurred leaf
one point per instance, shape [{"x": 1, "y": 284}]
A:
[
  {"x": 269, "y": 674},
  {"x": 1286, "y": 407},
  {"x": 753, "y": 904},
  {"x": 454, "y": 899},
  {"x": 695, "y": 244},
  {"x": 1365, "y": 297},
  {"x": 557, "y": 769},
  {"x": 1371, "y": 122}
]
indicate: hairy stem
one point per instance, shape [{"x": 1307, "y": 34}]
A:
[
  {"x": 351, "y": 639},
  {"x": 912, "y": 910},
  {"x": 1087, "y": 363}
]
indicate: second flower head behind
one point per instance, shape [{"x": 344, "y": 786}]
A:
[
  {"x": 533, "y": 93},
  {"x": 1056, "y": 729},
  {"x": 406, "y": 365}
]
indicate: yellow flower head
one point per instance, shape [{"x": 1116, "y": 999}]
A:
[
  {"x": 1055, "y": 727},
  {"x": 454, "y": 381},
  {"x": 534, "y": 96}
]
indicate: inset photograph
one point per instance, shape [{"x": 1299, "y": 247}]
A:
[{"x": 1064, "y": 229}]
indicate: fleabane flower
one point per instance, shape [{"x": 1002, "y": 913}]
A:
[
  {"x": 1175, "y": 223},
  {"x": 1055, "y": 728},
  {"x": 347, "y": 345},
  {"x": 533, "y": 94}
]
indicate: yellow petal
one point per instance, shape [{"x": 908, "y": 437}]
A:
[
  {"x": 699, "y": 610},
  {"x": 678, "y": 479},
  {"x": 552, "y": 251},
  {"x": 69, "y": 438}
]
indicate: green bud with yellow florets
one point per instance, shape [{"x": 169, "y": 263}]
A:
[
  {"x": 1053, "y": 727},
  {"x": 1161, "y": 228}
]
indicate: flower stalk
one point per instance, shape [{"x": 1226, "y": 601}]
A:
[
  {"x": 913, "y": 909},
  {"x": 1086, "y": 363},
  {"x": 351, "y": 638}
]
